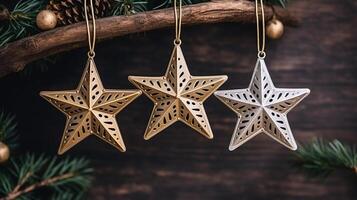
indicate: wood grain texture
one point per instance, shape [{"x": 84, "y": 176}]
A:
[
  {"x": 180, "y": 164},
  {"x": 15, "y": 56}
]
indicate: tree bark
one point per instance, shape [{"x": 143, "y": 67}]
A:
[{"x": 14, "y": 56}]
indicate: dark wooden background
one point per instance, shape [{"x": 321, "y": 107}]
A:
[{"x": 181, "y": 164}]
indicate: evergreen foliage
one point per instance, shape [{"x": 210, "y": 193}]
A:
[
  {"x": 281, "y": 3},
  {"x": 128, "y": 7},
  {"x": 21, "y": 21},
  {"x": 31, "y": 176},
  {"x": 8, "y": 130},
  {"x": 322, "y": 158}
]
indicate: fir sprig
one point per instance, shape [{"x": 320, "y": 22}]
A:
[
  {"x": 8, "y": 130},
  {"x": 21, "y": 20},
  {"x": 128, "y": 7},
  {"x": 26, "y": 176},
  {"x": 322, "y": 158},
  {"x": 170, "y": 3},
  {"x": 281, "y": 3}
]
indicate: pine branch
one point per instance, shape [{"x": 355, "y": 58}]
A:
[
  {"x": 65, "y": 177},
  {"x": 38, "y": 67},
  {"x": 20, "y": 22},
  {"x": 8, "y": 130},
  {"x": 17, "y": 192},
  {"x": 67, "y": 196},
  {"x": 158, "y": 4},
  {"x": 322, "y": 158},
  {"x": 281, "y": 3},
  {"x": 128, "y": 7},
  {"x": 169, "y": 3},
  {"x": 15, "y": 56}
]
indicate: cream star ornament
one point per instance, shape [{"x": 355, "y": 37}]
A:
[
  {"x": 178, "y": 96},
  {"x": 262, "y": 108},
  {"x": 90, "y": 110}
]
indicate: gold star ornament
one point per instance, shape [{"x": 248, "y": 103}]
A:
[
  {"x": 178, "y": 96},
  {"x": 262, "y": 108},
  {"x": 90, "y": 110}
]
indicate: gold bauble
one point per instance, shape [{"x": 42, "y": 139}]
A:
[
  {"x": 46, "y": 20},
  {"x": 275, "y": 29},
  {"x": 4, "y": 152}
]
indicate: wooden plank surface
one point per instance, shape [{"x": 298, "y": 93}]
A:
[{"x": 181, "y": 164}]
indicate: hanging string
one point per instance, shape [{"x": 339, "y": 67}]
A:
[
  {"x": 178, "y": 21},
  {"x": 260, "y": 47},
  {"x": 91, "y": 30}
]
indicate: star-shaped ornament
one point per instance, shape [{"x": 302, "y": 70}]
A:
[
  {"x": 90, "y": 110},
  {"x": 262, "y": 108},
  {"x": 178, "y": 96}
]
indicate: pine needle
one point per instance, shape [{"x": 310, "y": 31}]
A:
[
  {"x": 128, "y": 7},
  {"x": 8, "y": 130},
  {"x": 322, "y": 158},
  {"x": 22, "y": 21},
  {"x": 281, "y": 3},
  {"x": 29, "y": 174},
  {"x": 169, "y": 3},
  {"x": 23, "y": 16}
]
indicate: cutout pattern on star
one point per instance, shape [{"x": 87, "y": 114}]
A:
[
  {"x": 178, "y": 96},
  {"x": 90, "y": 109},
  {"x": 262, "y": 108}
]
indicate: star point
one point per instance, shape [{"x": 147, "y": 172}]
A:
[
  {"x": 90, "y": 110},
  {"x": 178, "y": 96},
  {"x": 262, "y": 108}
]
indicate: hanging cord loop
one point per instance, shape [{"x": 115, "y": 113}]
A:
[
  {"x": 91, "y": 30},
  {"x": 260, "y": 45},
  {"x": 178, "y": 21}
]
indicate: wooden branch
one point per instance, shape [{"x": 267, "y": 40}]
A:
[{"x": 14, "y": 56}]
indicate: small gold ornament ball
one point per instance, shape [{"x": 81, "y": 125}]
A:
[
  {"x": 4, "y": 152},
  {"x": 275, "y": 29},
  {"x": 46, "y": 20}
]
